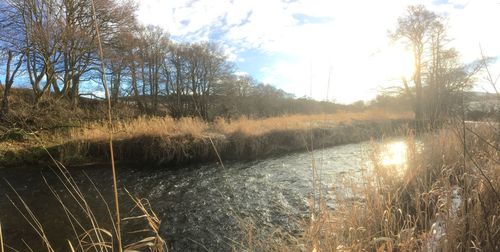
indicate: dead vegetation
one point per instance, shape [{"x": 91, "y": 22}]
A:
[
  {"x": 446, "y": 200},
  {"x": 173, "y": 141},
  {"x": 89, "y": 228},
  {"x": 162, "y": 140}
]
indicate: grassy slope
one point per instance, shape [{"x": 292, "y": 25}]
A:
[{"x": 161, "y": 140}]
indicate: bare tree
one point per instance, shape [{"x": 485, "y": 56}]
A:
[
  {"x": 9, "y": 79},
  {"x": 206, "y": 66},
  {"x": 59, "y": 39},
  {"x": 439, "y": 77},
  {"x": 177, "y": 61},
  {"x": 130, "y": 43},
  {"x": 12, "y": 47},
  {"x": 153, "y": 48},
  {"x": 415, "y": 28},
  {"x": 79, "y": 40}
]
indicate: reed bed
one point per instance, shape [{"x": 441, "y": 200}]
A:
[
  {"x": 446, "y": 200},
  {"x": 189, "y": 126},
  {"x": 164, "y": 141},
  {"x": 189, "y": 139},
  {"x": 254, "y": 127},
  {"x": 142, "y": 126}
]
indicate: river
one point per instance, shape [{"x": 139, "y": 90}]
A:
[{"x": 200, "y": 206}]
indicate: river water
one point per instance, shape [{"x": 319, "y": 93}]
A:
[{"x": 201, "y": 207}]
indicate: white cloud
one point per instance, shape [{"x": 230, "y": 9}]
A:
[
  {"x": 241, "y": 73},
  {"x": 231, "y": 54},
  {"x": 350, "y": 37}
]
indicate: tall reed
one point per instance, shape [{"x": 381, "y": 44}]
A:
[
  {"x": 110, "y": 129},
  {"x": 435, "y": 204},
  {"x": 1, "y": 239},
  {"x": 168, "y": 127}
]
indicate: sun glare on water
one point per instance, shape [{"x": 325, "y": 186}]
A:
[{"x": 394, "y": 154}]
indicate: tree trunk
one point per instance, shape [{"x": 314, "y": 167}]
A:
[
  {"x": 134, "y": 87},
  {"x": 8, "y": 84},
  {"x": 74, "y": 91},
  {"x": 9, "y": 81},
  {"x": 417, "y": 77}
]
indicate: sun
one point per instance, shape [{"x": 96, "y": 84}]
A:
[
  {"x": 397, "y": 61},
  {"x": 394, "y": 153}
]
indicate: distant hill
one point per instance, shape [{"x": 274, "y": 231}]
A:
[{"x": 482, "y": 101}]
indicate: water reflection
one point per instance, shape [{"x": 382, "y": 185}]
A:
[{"x": 394, "y": 155}]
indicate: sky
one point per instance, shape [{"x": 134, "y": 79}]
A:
[{"x": 324, "y": 49}]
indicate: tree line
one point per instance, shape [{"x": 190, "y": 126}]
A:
[{"x": 52, "y": 45}]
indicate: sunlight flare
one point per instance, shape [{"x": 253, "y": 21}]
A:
[{"x": 395, "y": 154}]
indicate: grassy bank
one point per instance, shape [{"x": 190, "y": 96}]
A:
[
  {"x": 445, "y": 200},
  {"x": 168, "y": 141},
  {"x": 164, "y": 140}
]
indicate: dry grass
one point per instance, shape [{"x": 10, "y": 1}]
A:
[
  {"x": 154, "y": 242},
  {"x": 417, "y": 210},
  {"x": 168, "y": 127},
  {"x": 254, "y": 127},
  {"x": 163, "y": 140},
  {"x": 1, "y": 239},
  {"x": 88, "y": 233},
  {"x": 406, "y": 212},
  {"x": 157, "y": 126},
  {"x": 167, "y": 139}
]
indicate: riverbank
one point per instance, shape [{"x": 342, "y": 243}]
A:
[
  {"x": 160, "y": 141},
  {"x": 446, "y": 199}
]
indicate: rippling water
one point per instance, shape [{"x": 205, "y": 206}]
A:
[{"x": 200, "y": 206}]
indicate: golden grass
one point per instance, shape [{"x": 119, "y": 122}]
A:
[
  {"x": 142, "y": 126},
  {"x": 153, "y": 243},
  {"x": 1, "y": 239},
  {"x": 163, "y": 140},
  {"x": 405, "y": 212},
  {"x": 254, "y": 127},
  {"x": 169, "y": 127},
  {"x": 180, "y": 138},
  {"x": 88, "y": 234}
]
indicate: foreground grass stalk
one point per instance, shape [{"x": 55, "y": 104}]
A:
[
  {"x": 1, "y": 239},
  {"x": 110, "y": 121},
  {"x": 444, "y": 199},
  {"x": 31, "y": 218}
]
